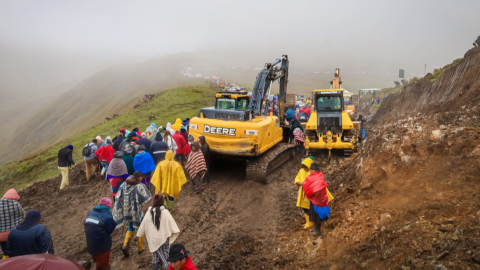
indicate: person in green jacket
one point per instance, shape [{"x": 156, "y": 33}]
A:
[{"x": 128, "y": 159}]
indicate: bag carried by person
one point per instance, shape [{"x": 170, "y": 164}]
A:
[{"x": 87, "y": 150}]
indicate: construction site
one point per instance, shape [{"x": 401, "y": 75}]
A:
[
  {"x": 405, "y": 198},
  {"x": 214, "y": 135}
]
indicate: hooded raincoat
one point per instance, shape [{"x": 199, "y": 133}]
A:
[
  {"x": 177, "y": 125},
  {"x": 168, "y": 177},
  {"x": 302, "y": 201}
]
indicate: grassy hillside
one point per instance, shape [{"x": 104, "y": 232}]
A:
[{"x": 167, "y": 106}]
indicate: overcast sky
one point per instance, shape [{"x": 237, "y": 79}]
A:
[{"x": 374, "y": 35}]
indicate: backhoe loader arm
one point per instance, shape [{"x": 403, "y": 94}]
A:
[{"x": 264, "y": 81}]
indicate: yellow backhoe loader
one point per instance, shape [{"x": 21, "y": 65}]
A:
[{"x": 330, "y": 126}]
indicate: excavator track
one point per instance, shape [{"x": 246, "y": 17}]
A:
[{"x": 258, "y": 168}]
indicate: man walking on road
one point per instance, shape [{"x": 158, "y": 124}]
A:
[
  {"x": 168, "y": 179},
  {"x": 64, "y": 162},
  {"x": 181, "y": 142},
  {"x": 99, "y": 226},
  {"x": 206, "y": 154},
  {"x": 89, "y": 157},
  {"x": 196, "y": 166}
]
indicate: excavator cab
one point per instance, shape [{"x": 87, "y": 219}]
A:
[{"x": 226, "y": 101}]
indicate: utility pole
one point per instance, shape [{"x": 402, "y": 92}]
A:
[{"x": 425, "y": 70}]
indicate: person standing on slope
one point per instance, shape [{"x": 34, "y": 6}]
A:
[
  {"x": 178, "y": 256},
  {"x": 172, "y": 145},
  {"x": 316, "y": 191},
  {"x": 186, "y": 150},
  {"x": 99, "y": 226},
  {"x": 184, "y": 133},
  {"x": 118, "y": 143},
  {"x": 117, "y": 173},
  {"x": 128, "y": 209},
  {"x": 105, "y": 154},
  {"x": 128, "y": 159},
  {"x": 145, "y": 142},
  {"x": 302, "y": 201},
  {"x": 168, "y": 179},
  {"x": 196, "y": 166},
  {"x": 90, "y": 159},
  {"x": 181, "y": 142},
  {"x": 158, "y": 149},
  {"x": 206, "y": 154},
  {"x": 29, "y": 237},
  {"x": 143, "y": 162},
  {"x": 11, "y": 214},
  {"x": 100, "y": 142},
  {"x": 64, "y": 162},
  {"x": 160, "y": 229}
]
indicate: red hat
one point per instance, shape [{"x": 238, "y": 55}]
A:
[{"x": 106, "y": 201}]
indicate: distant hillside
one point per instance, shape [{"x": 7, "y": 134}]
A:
[
  {"x": 113, "y": 90},
  {"x": 167, "y": 106},
  {"x": 41, "y": 121}
]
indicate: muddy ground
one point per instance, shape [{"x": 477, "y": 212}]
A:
[
  {"x": 405, "y": 201},
  {"x": 409, "y": 199}
]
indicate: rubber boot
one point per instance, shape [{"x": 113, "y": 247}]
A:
[
  {"x": 316, "y": 229},
  {"x": 126, "y": 244},
  {"x": 309, "y": 224},
  {"x": 141, "y": 244}
]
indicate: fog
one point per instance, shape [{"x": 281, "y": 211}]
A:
[
  {"x": 362, "y": 35},
  {"x": 49, "y": 46}
]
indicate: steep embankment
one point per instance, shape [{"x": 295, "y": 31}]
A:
[
  {"x": 451, "y": 88},
  {"x": 166, "y": 106}
]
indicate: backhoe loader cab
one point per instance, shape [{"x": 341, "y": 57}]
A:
[
  {"x": 329, "y": 108},
  {"x": 329, "y": 126}
]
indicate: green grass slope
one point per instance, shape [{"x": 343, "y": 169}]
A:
[{"x": 167, "y": 106}]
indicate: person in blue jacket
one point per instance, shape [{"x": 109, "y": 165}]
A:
[
  {"x": 29, "y": 237},
  {"x": 290, "y": 114},
  {"x": 99, "y": 226}
]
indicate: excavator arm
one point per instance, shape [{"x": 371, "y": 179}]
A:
[{"x": 264, "y": 82}]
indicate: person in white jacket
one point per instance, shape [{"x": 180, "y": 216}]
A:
[{"x": 160, "y": 229}]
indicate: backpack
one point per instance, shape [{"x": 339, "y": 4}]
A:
[
  {"x": 87, "y": 151},
  {"x": 128, "y": 149}
]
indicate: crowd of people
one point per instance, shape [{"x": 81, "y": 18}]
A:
[
  {"x": 143, "y": 167},
  {"x": 140, "y": 167}
]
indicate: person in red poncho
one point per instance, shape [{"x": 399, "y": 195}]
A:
[
  {"x": 315, "y": 189},
  {"x": 179, "y": 259},
  {"x": 307, "y": 110}
]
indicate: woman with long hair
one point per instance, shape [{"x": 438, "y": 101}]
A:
[
  {"x": 172, "y": 145},
  {"x": 160, "y": 229}
]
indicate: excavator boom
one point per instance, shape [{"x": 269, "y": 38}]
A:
[{"x": 263, "y": 84}]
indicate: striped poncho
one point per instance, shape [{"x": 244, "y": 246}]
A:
[
  {"x": 196, "y": 164},
  {"x": 298, "y": 135}
]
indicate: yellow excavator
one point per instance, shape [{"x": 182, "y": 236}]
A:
[
  {"x": 330, "y": 126},
  {"x": 233, "y": 129}
]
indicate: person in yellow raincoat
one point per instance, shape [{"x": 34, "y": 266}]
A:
[
  {"x": 168, "y": 179},
  {"x": 178, "y": 125},
  {"x": 302, "y": 201}
]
